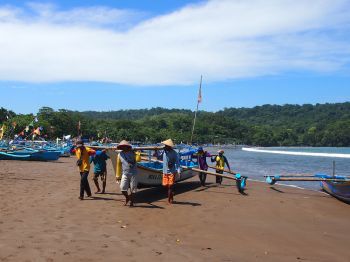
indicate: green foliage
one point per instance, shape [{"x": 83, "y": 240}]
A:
[{"x": 267, "y": 125}]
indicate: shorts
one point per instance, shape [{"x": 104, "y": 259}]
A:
[
  {"x": 102, "y": 174},
  {"x": 168, "y": 179},
  {"x": 128, "y": 181}
]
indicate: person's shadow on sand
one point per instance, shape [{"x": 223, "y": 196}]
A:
[{"x": 154, "y": 194}]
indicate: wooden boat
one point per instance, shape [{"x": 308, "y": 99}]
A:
[
  {"x": 336, "y": 186},
  {"x": 150, "y": 173},
  {"x": 29, "y": 154},
  {"x": 338, "y": 189}
]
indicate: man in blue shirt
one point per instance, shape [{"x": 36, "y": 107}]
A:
[
  {"x": 100, "y": 169},
  {"x": 171, "y": 168}
]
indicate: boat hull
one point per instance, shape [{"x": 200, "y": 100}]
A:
[
  {"x": 150, "y": 174},
  {"x": 340, "y": 190},
  {"x": 30, "y": 155}
]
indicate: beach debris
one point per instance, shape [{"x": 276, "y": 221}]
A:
[
  {"x": 119, "y": 221},
  {"x": 177, "y": 240},
  {"x": 123, "y": 226}
]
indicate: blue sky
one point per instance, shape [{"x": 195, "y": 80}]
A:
[{"x": 111, "y": 55}]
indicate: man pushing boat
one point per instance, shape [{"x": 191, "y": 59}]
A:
[
  {"x": 220, "y": 160},
  {"x": 100, "y": 169},
  {"x": 171, "y": 168},
  {"x": 126, "y": 171},
  {"x": 83, "y": 154}
]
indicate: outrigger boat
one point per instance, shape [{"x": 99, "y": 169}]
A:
[
  {"x": 150, "y": 170},
  {"x": 336, "y": 186},
  {"x": 29, "y": 154}
]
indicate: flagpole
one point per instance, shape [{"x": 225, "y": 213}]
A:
[
  {"x": 195, "y": 113},
  {"x": 79, "y": 129}
]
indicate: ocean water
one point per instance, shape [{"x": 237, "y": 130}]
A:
[{"x": 257, "y": 164}]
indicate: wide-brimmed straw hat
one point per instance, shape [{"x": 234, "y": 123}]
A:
[
  {"x": 221, "y": 151},
  {"x": 123, "y": 144},
  {"x": 168, "y": 142}
]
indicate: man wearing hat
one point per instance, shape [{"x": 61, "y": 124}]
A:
[
  {"x": 126, "y": 171},
  {"x": 171, "y": 168},
  {"x": 220, "y": 160},
  {"x": 202, "y": 161},
  {"x": 83, "y": 154}
]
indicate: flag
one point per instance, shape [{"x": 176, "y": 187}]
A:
[
  {"x": 36, "y": 119},
  {"x": 27, "y": 128},
  {"x": 2, "y": 131},
  {"x": 200, "y": 92},
  {"x": 31, "y": 124},
  {"x": 37, "y": 131}
]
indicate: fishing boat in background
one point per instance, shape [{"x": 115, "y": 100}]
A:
[{"x": 29, "y": 154}]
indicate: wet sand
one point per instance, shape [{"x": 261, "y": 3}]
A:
[{"x": 42, "y": 219}]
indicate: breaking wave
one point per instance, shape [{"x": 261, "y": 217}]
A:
[{"x": 333, "y": 155}]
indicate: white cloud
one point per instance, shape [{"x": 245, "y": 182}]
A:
[{"x": 221, "y": 39}]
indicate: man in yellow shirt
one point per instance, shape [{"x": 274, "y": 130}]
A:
[
  {"x": 220, "y": 160},
  {"x": 83, "y": 154}
]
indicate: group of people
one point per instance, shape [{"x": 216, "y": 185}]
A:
[{"x": 126, "y": 168}]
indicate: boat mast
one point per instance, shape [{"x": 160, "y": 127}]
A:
[{"x": 195, "y": 113}]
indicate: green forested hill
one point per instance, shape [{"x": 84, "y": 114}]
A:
[{"x": 267, "y": 125}]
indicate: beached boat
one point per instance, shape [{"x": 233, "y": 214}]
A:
[
  {"x": 336, "y": 186},
  {"x": 29, "y": 154},
  {"x": 338, "y": 189}
]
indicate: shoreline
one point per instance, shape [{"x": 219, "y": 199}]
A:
[{"x": 42, "y": 220}]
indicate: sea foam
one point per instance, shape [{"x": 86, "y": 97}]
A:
[{"x": 333, "y": 155}]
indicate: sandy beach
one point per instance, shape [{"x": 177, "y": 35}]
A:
[{"x": 42, "y": 219}]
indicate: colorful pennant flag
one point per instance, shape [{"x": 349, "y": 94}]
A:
[{"x": 37, "y": 131}]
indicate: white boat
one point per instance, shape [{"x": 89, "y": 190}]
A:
[{"x": 149, "y": 173}]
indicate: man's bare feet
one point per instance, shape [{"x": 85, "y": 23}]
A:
[{"x": 126, "y": 201}]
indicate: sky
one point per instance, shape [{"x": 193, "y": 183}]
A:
[{"x": 111, "y": 55}]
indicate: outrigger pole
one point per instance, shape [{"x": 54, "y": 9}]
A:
[
  {"x": 195, "y": 113},
  {"x": 273, "y": 179}
]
